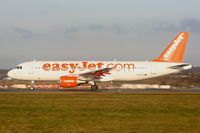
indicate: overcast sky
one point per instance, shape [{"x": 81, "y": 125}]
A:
[{"x": 95, "y": 29}]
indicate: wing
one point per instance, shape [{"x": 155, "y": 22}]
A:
[{"x": 95, "y": 75}]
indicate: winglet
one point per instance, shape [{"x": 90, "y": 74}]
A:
[{"x": 175, "y": 50}]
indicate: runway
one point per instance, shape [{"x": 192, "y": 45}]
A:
[{"x": 101, "y": 90}]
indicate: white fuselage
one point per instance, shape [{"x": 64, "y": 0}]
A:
[{"x": 122, "y": 70}]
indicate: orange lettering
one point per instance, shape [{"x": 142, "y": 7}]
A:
[
  {"x": 129, "y": 66},
  {"x": 118, "y": 67},
  {"x": 110, "y": 65},
  {"x": 83, "y": 67},
  {"x": 64, "y": 67},
  {"x": 100, "y": 65},
  {"x": 91, "y": 67},
  {"x": 72, "y": 67},
  {"x": 55, "y": 67},
  {"x": 46, "y": 67}
]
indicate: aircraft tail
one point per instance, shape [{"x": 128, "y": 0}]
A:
[{"x": 175, "y": 50}]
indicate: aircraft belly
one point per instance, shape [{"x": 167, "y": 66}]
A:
[{"x": 124, "y": 76}]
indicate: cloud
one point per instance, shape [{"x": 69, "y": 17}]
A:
[
  {"x": 115, "y": 28},
  {"x": 96, "y": 27},
  {"x": 118, "y": 29},
  {"x": 185, "y": 25},
  {"x": 23, "y": 33},
  {"x": 71, "y": 30},
  {"x": 166, "y": 27},
  {"x": 191, "y": 25}
]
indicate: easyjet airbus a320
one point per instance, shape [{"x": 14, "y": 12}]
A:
[{"x": 75, "y": 73}]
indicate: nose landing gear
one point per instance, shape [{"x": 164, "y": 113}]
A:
[{"x": 32, "y": 85}]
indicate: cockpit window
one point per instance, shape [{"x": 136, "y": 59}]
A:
[{"x": 18, "y": 67}]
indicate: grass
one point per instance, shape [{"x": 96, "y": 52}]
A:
[{"x": 90, "y": 112}]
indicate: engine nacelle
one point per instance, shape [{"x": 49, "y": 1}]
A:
[{"x": 68, "y": 81}]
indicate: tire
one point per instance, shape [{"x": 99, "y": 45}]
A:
[
  {"x": 32, "y": 88},
  {"x": 94, "y": 87}
]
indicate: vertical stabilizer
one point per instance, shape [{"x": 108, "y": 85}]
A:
[{"x": 175, "y": 50}]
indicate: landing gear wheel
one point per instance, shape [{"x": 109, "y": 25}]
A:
[
  {"x": 32, "y": 85},
  {"x": 32, "y": 88},
  {"x": 94, "y": 87}
]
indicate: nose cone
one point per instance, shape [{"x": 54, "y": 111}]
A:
[{"x": 11, "y": 74}]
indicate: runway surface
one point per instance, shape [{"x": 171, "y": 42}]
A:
[{"x": 101, "y": 90}]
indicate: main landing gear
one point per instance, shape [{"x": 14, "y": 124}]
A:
[
  {"x": 94, "y": 86},
  {"x": 32, "y": 85}
]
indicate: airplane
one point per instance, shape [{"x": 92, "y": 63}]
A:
[{"x": 75, "y": 73}]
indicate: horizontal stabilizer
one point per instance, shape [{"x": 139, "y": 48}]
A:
[{"x": 181, "y": 67}]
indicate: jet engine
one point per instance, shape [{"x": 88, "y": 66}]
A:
[{"x": 70, "y": 81}]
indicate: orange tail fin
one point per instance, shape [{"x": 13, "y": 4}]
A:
[{"x": 175, "y": 50}]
